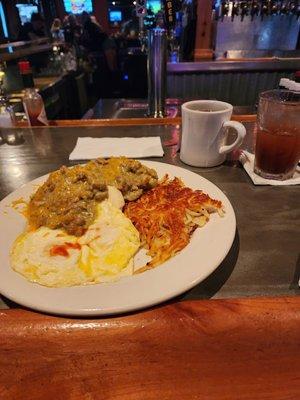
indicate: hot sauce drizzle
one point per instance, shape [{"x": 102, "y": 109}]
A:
[{"x": 62, "y": 249}]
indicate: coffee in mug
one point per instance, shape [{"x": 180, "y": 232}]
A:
[{"x": 204, "y": 124}]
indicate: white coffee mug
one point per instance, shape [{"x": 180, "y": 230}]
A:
[{"x": 204, "y": 124}]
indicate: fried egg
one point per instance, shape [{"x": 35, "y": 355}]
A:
[{"x": 55, "y": 259}]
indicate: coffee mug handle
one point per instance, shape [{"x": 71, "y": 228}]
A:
[{"x": 241, "y": 133}]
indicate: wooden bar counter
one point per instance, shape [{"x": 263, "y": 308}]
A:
[
  {"x": 235, "y": 336},
  {"x": 214, "y": 350}
]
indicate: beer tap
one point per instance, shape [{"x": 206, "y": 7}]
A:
[
  {"x": 244, "y": 9},
  {"x": 283, "y": 8},
  {"x": 224, "y": 9},
  {"x": 293, "y": 7},
  {"x": 254, "y": 9},
  {"x": 274, "y": 7},
  {"x": 235, "y": 10},
  {"x": 264, "y": 10}
]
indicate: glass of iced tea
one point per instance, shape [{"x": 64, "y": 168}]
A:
[{"x": 277, "y": 150}]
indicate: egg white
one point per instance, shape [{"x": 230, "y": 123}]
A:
[{"x": 105, "y": 253}]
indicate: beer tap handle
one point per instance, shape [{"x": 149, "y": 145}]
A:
[
  {"x": 264, "y": 10},
  {"x": 254, "y": 10},
  {"x": 274, "y": 8},
  {"x": 235, "y": 10},
  {"x": 293, "y": 7},
  {"x": 283, "y": 8},
  {"x": 224, "y": 9},
  {"x": 244, "y": 10}
]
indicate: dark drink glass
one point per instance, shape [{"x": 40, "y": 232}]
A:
[{"x": 277, "y": 150}]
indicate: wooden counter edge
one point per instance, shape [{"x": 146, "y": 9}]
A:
[
  {"x": 237, "y": 349},
  {"x": 126, "y": 122},
  {"x": 258, "y": 303}
]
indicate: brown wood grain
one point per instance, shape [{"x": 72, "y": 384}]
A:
[
  {"x": 213, "y": 349},
  {"x": 244, "y": 118},
  {"x": 203, "y": 54},
  {"x": 128, "y": 122},
  {"x": 46, "y": 81},
  {"x": 264, "y": 59},
  {"x": 203, "y": 44}
]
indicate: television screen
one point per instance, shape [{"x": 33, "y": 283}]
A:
[
  {"x": 3, "y": 21},
  {"x": 78, "y": 6},
  {"x": 115, "y": 16},
  {"x": 25, "y": 11},
  {"x": 154, "y": 5}
]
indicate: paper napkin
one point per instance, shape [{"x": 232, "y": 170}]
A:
[
  {"x": 88, "y": 148},
  {"x": 247, "y": 159}
]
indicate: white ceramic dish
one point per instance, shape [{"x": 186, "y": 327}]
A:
[{"x": 208, "y": 247}]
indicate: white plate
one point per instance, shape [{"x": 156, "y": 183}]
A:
[{"x": 208, "y": 247}]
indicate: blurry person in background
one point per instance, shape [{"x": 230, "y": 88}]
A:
[
  {"x": 56, "y": 30},
  {"x": 95, "y": 21},
  {"x": 72, "y": 29},
  {"x": 65, "y": 22},
  {"x": 72, "y": 32},
  {"x": 102, "y": 52},
  {"x": 130, "y": 28},
  {"x": 35, "y": 29},
  {"x": 93, "y": 36},
  {"x": 94, "y": 39}
]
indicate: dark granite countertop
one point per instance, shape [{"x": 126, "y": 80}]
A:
[{"x": 264, "y": 258}]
